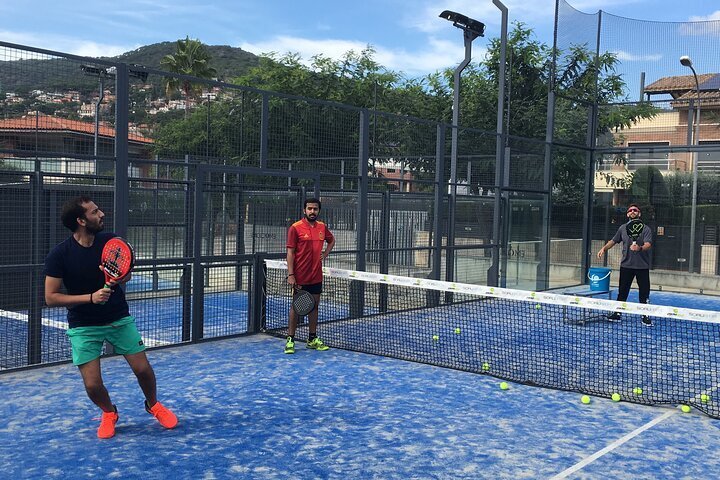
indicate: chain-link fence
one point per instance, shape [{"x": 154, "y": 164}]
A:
[
  {"x": 655, "y": 143},
  {"x": 204, "y": 180}
]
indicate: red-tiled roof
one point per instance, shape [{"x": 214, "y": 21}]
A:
[
  {"x": 677, "y": 84},
  {"x": 46, "y": 123},
  {"x": 708, "y": 98},
  {"x": 704, "y": 95}
]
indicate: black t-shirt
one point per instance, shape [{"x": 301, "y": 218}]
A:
[{"x": 77, "y": 266}]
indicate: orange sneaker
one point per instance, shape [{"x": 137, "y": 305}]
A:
[
  {"x": 166, "y": 418},
  {"x": 107, "y": 424}
]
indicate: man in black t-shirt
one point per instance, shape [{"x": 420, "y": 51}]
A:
[{"x": 97, "y": 313}]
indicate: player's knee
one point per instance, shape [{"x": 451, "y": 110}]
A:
[
  {"x": 144, "y": 372},
  {"x": 94, "y": 387}
]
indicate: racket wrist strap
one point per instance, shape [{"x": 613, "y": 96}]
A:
[
  {"x": 91, "y": 300},
  {"x": 290, "y": 275}
]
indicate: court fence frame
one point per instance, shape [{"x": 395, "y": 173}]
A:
[{"x": 205, "y": 209}]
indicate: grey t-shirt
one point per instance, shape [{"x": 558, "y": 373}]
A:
[{"x": 630, "y": 259}]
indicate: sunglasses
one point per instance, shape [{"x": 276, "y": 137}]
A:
[{"x": 633, "y": 210}]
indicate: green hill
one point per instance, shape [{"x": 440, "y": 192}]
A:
[
  {"x": 229, "y": 61},
  {"x": 59, "y": 74}
]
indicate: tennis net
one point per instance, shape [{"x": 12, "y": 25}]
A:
[{"x": 537, "y": 338}]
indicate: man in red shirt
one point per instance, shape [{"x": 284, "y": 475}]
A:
[{"x": 305, "y": 241}]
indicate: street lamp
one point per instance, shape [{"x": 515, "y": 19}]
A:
[
  {"x": 101, "y": 74},
  {"x": 471, "y": 30},
  {"x": 685, "y": 61}
]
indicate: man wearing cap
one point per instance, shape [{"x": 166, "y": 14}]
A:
[{"x": 635, "y": 263}]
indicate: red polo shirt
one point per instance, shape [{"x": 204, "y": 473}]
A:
[{"x": 307, "y": 239}]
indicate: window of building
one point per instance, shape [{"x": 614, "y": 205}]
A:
[
  {"x": 709, "y": 161},
  {"x": 647, "y": 156}
]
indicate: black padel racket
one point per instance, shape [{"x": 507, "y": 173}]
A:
[
  {"x": 303, "y": 302},
  {"x": 634, "y": 229},
  {"x": 117, "y": 260}
]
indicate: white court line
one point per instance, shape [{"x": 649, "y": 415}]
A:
[
  {"x": 63, "y": 325},
  {"x": 47, "y": 322},
  {"x": 613, "y": 446}
]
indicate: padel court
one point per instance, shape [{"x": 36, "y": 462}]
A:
[{"x": 249, "y": 411}]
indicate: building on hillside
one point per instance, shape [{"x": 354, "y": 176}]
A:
[{"x": 64, "y": 145}]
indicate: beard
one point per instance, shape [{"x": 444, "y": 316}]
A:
[
  {"x": 95, "y": 228},
  {"x": 311, "y": 217}
]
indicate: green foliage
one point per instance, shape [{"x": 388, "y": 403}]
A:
[
  {"x": 190, "y": 58},
  {"x": 648, "y": 189},
  {"x": 358, "y": 80}
]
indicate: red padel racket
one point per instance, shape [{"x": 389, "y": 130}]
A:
[{"x": 117, "y": 260}]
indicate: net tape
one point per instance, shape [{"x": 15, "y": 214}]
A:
[{"x": 546, "y": 298}]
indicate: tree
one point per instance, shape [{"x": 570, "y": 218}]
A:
[
  {"x": 648, "y": 189},
  {"x": 320, "y": 130},
  {"x": 190, "y": 58}
]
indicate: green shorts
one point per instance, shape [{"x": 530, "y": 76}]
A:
[{"x": 87, "y": 342}]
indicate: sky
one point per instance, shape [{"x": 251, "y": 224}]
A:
[{"x": 407, "y": 35}]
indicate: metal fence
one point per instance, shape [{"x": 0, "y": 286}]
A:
[
  {"x": 206, "y": 185},
  {"x": 668, "y": 161}
]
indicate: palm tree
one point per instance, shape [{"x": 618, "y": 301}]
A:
[{"x": 190, "y": 58}]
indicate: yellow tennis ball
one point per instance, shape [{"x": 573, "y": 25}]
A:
[
  {"x": 504, "y": 386},
  {"x": 704, "y": 398},
  {"x": 457, "y": 330},
  {"x": 585, "y": 399},
  {"x": 637, "y": 391},
  {"x": 615, "y": 397},
  {"x": 486, "y": 366},
  {"x": 538, "y": 306},
  {"x": 685, "y": 408},
  {"x": 436, "y": 338}
]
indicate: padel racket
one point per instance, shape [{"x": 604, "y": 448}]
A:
[
  {"x": 634, "y": 229},
  {"x": 117, "y": 260},
  {"x": 303, "y": 302}
]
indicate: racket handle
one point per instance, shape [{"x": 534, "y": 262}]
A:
[{"x": 104, "y": 286}]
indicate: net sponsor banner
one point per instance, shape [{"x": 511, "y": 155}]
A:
[{"x": 519, "y": 295}]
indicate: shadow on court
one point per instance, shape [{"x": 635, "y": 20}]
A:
[{"x": 247, "y": 410}]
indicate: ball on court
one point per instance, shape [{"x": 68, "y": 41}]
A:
[
  {"x": 436, "y": 338},
  {"x": 704, "y": 398},
  {"x": 486, "y": 366},
  {"x": 504, "y": 386},
  {"x": 637, "y": 391},
  {"x": 457, "y": 330},
  {"x": 585, "y": 399},
  {"x": 685, "y": 408},
  {"x": 615, "y": 397}
]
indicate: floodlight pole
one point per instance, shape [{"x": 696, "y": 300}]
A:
[
  {"x": 687, "y": 62},
  {"x": 101, "y": 97},
  {"x": 471, "y": 30},
  {"x": 494, "y": 273},
  {"x": 468, "y": 37}
]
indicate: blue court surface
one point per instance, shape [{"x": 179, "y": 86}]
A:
[{"x": 247, "y": 410}]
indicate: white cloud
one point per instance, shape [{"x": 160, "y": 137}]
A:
[
  {"x": 437, "y": 55},
  {"x": 702, "y": 26},
  {"x": 707, "y": 25},
  {"x": 65, "y": 44},
  {"x": 705, "y": 18},
  {"x": 630, "y": 57}
]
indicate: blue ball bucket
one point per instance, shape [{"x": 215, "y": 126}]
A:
[{"x": 599, "y": 279}]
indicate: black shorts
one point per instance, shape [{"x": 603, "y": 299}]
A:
[{"x": 315, "y": 288}]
